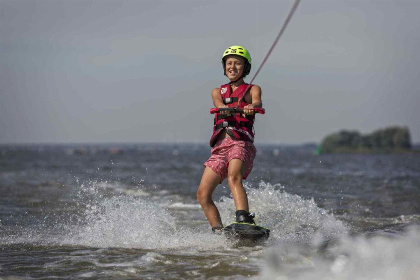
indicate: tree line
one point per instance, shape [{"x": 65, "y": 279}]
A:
[{"x": 390, "y": 139}]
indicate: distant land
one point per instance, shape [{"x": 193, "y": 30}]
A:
[{"x": 393, "y": 139}]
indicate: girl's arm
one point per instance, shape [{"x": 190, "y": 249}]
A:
[
  {"x": 256, "y": 101},
  {"x": 217, "y": 98}
]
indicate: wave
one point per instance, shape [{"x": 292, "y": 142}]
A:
[
  {"x": 306, "y": 242},
  {"x": 350, "y": 257},
  {"x": 105, "y": 216}
]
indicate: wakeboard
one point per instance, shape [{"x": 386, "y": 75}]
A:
[{"x": 246, "y": 232}]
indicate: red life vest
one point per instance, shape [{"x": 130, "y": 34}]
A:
[{"x": 237, "y": 126}]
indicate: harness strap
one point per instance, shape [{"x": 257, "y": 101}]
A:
[
  {"x": 230, "y": 100},
  {"x": 233, "y": 134},
  {"x": 233, "y": 124},
  {"x": 219, "y": 117}
]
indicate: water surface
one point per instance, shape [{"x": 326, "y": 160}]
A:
[{"x": 129, "y": 212}]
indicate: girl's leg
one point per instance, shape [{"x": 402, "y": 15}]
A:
[
  {"x": 236, "y": 170},
  {"x": 208, "y": 184}
]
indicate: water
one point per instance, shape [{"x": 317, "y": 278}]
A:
[{"x": 129, "y": 212}]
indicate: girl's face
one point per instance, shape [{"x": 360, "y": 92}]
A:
[{"x": 234, "y": 67}]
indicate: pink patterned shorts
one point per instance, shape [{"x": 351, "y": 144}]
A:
[{"x": 227, "y": 149}]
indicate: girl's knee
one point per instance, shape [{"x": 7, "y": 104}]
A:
[
  {"x": 203, "y": 196},
  {"x": 234, "y": 179}
]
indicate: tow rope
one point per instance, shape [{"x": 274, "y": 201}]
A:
[{"x": 286, "y": 22}]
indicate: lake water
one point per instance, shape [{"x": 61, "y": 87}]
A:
[{"x": 130, "y": 212}]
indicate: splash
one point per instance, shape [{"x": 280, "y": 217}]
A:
[
  {"x": 359, "y": 257},
  {"x": 137, "y": 222},
  {"x": 289, "y": 217},
  {"x": 102, "y": 216},
  {"x": 122, "y": 222},
  {"x": 129, "y": 221}
]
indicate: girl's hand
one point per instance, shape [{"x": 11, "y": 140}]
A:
[
  {"x": 226, "y": 113},
  {"x": 248, "y": 109}
]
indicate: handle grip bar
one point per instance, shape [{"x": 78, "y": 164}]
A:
[{"x": 235, "y": 110}]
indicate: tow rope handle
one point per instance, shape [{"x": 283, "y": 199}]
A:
[{"x": 236, "y": 110}]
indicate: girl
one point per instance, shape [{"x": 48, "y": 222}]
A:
[{"x": 233, "y": 150}]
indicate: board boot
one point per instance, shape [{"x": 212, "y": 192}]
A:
[{"x": 245, "y": 229}]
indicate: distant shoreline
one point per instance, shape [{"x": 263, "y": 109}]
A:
[{"x": 390, "y": 140}]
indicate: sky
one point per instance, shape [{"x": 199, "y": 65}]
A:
[{"x": 117, "y": 71}]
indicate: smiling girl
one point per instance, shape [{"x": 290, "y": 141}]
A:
[{"x": 233, "y": 151}]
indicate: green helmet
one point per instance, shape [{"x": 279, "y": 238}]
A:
[
  {"x": 237, "y": 50},
  {"x": 240, "y": 51}
]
